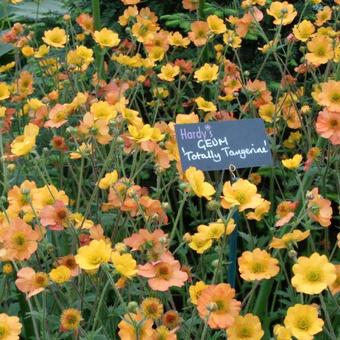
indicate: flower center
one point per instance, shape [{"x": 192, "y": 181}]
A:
[
  {"x": 314, "y": 276},
  {"x": 221, "y": 306},
  {"x": 258, "y": 267},
  {"x": 303, "y": 324},
  {"x": 320, "y": 51},
  {"x": 333, "y": 123},
  {"x": 163, "y": 271},
  {"x": 3, "y": 331},
  {"x": 245, "y": 332},
  {"x": 20, "y": 240},
  {"x": 335, "y": 98},
  {"x": 241, "y": 197}
]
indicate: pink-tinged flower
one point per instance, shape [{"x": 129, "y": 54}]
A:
[
  {"x": 20, "y": 240},
  {"x": 54, "y": 216},
  {"x": 137, "y": 240},
  {"x": 328, "y": 126},
  {"x": 69, "y": 262},
  {"x": 30, "y": 282},
  {"x": 164, "y": 273},
  {"x": 319, "y": 208},
  {"x": 58, "y": 116}
]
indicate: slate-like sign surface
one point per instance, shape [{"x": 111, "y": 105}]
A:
[{"x": 217, "y": 145}]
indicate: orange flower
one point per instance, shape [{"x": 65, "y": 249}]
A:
[
  {"x": 69, "y": 262},
  {"x": 329, "y": 95},
  {"x": 241, "y": 194},
  {"x": 285, "y": 212},
  {"x": 218, "y": 304},
  {"x": 85, "y": 21},
  {"x": 54, "y": 216},
  {"x": 320, "y": 50},
  {"x": 135, "y": 326},
  {"x": 30, "y": 282},
  {"x": 328, "y": 126},
  {"x": 323, "y": 16},
  {"x": 164, "y": 273},
  {"x": 257, "y": 265},
  {"x": 57, "y": 116},
  {"x": 98, "y": 128},
  {"x": 259, "y": 91},
  {"x": 199, "y": 33},
  {"x": 335, "y": 286},
  {"x": 20, "y": 240},
  {"x": 283, "y": 12},
  {"x": 190, "y": 5},
  {"x": 319, "y": 208},
  {"x": 287, "y": 239},
  {"x": 19, "y": 198}
]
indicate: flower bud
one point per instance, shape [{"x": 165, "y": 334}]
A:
[
  {"x": 132, "y": 307},
  {"x": 213, "y": 205}
]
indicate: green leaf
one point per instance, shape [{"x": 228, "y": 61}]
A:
[
  {"x": 33, "y": 10},
  {"x": 5, "y": 48}
]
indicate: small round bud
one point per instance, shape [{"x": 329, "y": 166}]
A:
[
  {"x": 213, "y": 205},
  {"x": 184, "y": 186},
  {"x": 132, "y": 307},
  {"x": 187, "y": 237},
  {"x": 214, "y": 263},
  {"x": 67, "y": 17},
  {"x": 292, "y": 254},
  {"x": 11, "y": 167},
  {"x": 246, "y": 73}
]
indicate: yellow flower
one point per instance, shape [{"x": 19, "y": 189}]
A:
[
  {"x": 196, "y": 290},
  {"x": 176, "y": 39},
  {"x": 205, "y": 105},
  {"x": 200, "y": 242},
  {"x": 247, "y": 327},
  {"x": 4, "y": 91},
  {"x": 24, "y": 144},
  {"x": 230, "y": 38},
  {"x": 80, "y": 58},
  {"x": 216, "y": 230},
  {"x": 288, "y": 239},
  {"x": 241, "y": 194},
  {"x": 145, "y": 133},
  {"x": 102, "y": 109},
  {"x": 109, "y": 179},
  {"x": 283, "y": 12},
  {"x": 60, "y": 275},
  {"x": 92, "y": 256},
  {"x": 197, "y": 184},
  {"x": 257, "y": 265},
  {"x": 70, "y": 319},
  {"x": 152, "y": 308},
  {"x": 124, "y": 264},
  {"x": 292, "y": 163},
  {"x": 169, "y": 72},
  {"x": 106, "y": 38},
  {"x": 216, "y": 25},
  {"x": 207, "y": 73},
  {"x": 56, "y": 37},
  {"x": 42, "y": 51},
  {"x": 267, "y": 112},
  {"x": 303, "y": 322},
  {"x": 303, "y": 30},
  {"x": 282, "y": 333},
  {"x": 7, "y": 67},
  {"x": 259, "y": 212},
  {"x": 2, "y": 111},
  {"x": 27, "y": 51},
  {"x": 10, "y": 327},
  {"x": 320, "y": 50},
  {"x": 313, "y": 274}
]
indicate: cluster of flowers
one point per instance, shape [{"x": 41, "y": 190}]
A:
[{"x": 92, "y": 117}]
